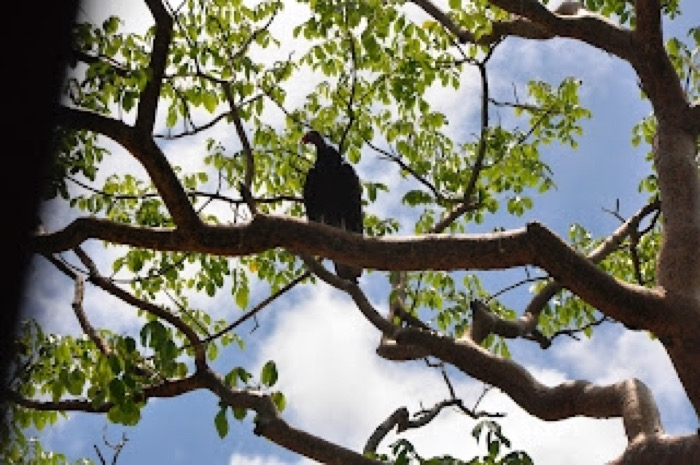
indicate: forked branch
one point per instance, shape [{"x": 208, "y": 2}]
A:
[
  {"x": 532, "y": 20},
  {"x": 630, "y": 400},
  {"x": 486, "y": 322}
]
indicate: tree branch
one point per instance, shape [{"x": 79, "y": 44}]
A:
[
  {"x": 404, "y": 166},
  {"x": 486, "y": 322},
  {"x": 243, "y": 137},
  {"x": 657, "y": 75},
  {"x": 354, "y": 291},
  {"x": 532, "y": 20},
  {"x": 692, "y": 118},
  {"x": 649, "y": 20},
  {"x": 82, "y": 318},
  {"x": 401, "y": 420},
  {"x": 108, "y": 286},
  {"x": 148, "y": 101},
  {"x": 534, "y": 245},
  {"x": 467, "y": 203},
  {"x": 119, "y": 69},
  {"x": 210, "y": 196},
  {"x": 661, "y": 450},
  {"x": 269, "y": 424},
  {"x": 388, "y": 348},
  {"x": 252, "y": 312},
  {"x": 165, "y": 389},
  {"x": 630, "y": 400},
  {"x": 145, "y": 151},
  {"x": 583, "y": 25},
  {"x": 77, "y": 305}
]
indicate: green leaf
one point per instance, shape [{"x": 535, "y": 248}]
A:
[
  {"x": 76, "y": 381},
  {"x": 210, "y": 101},
  {"x": 416, "y": 197},
  {"x": 240, "y": 413},
  {"x": 268, "y": 375},
  {"x": 242, "y": 296},
  {"x": 118, "y": 263},
  {"x": 153, "y": 334},
  {"x": 129, "y": 344},
  {"x": 221, "y": 422},
  {"x": 279, "y": 400},
  {"x": 117, "y": 390},
  {"x": 171, "y": 117},
  {"x": 111, "y": 24}
]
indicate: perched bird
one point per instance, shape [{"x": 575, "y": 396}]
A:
[{"x": 332, "y": 194}]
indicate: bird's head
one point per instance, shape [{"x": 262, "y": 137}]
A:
[{"x": 313, "y": 137}]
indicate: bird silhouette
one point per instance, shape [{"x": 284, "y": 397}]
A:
[{"x": 333, "y": 195}]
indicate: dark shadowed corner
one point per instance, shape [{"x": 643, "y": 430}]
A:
[{"x": 34, "y": 58}]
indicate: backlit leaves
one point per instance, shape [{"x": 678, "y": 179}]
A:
[
  {"x": 372, "y": 79},
  {"x": 221, "y": 423},
  {"x": 269, "y": 375}
]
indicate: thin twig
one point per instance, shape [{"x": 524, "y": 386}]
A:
[{"x": 252, "y": 312}]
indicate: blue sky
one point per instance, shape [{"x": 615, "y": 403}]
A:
[{"x": 335, "y": 384}]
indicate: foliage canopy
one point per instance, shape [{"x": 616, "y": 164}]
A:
[{"x": 145, "y": 161}]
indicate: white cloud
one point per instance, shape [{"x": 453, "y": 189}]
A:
[
  {"x": 338, "y": 388},
  {"x": 241, "y": 459},
  {"x": 49, "y": 296},
  {"x": 626, "y": 355},
  {"x": 575, "y": 441}
]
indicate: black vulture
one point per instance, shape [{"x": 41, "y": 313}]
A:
[{"x": 332, "y": 194}]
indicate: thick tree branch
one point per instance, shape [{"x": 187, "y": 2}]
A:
[
  {"x": 630, "y": 400},
  {"x": 535, "y": 245},
  {"x": 145, "y": 150},
  {"x": 675, "y": 151},
  {"x": 678, "y": 270},
  {"x": 588, "y": 27},
  {"x": 486, "y": 322},
  {"x": 532, "y": 20},
  {"x": 657, "y": 75},
  {"x": 649, "y": 20},
  {"x": 692, "y": 118},
  {"x": 484, "y": 251},
  {"x": 661, "y": 450},
  {"x": 148, "y": 102},
  {"x": 81, "y": 119}
]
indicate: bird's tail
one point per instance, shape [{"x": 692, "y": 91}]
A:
[{"x": 347, "y": 272}]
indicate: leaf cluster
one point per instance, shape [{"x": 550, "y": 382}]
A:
[
  {"x": 369, "y": 76},
  {"x": 403, "y": 452}
]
